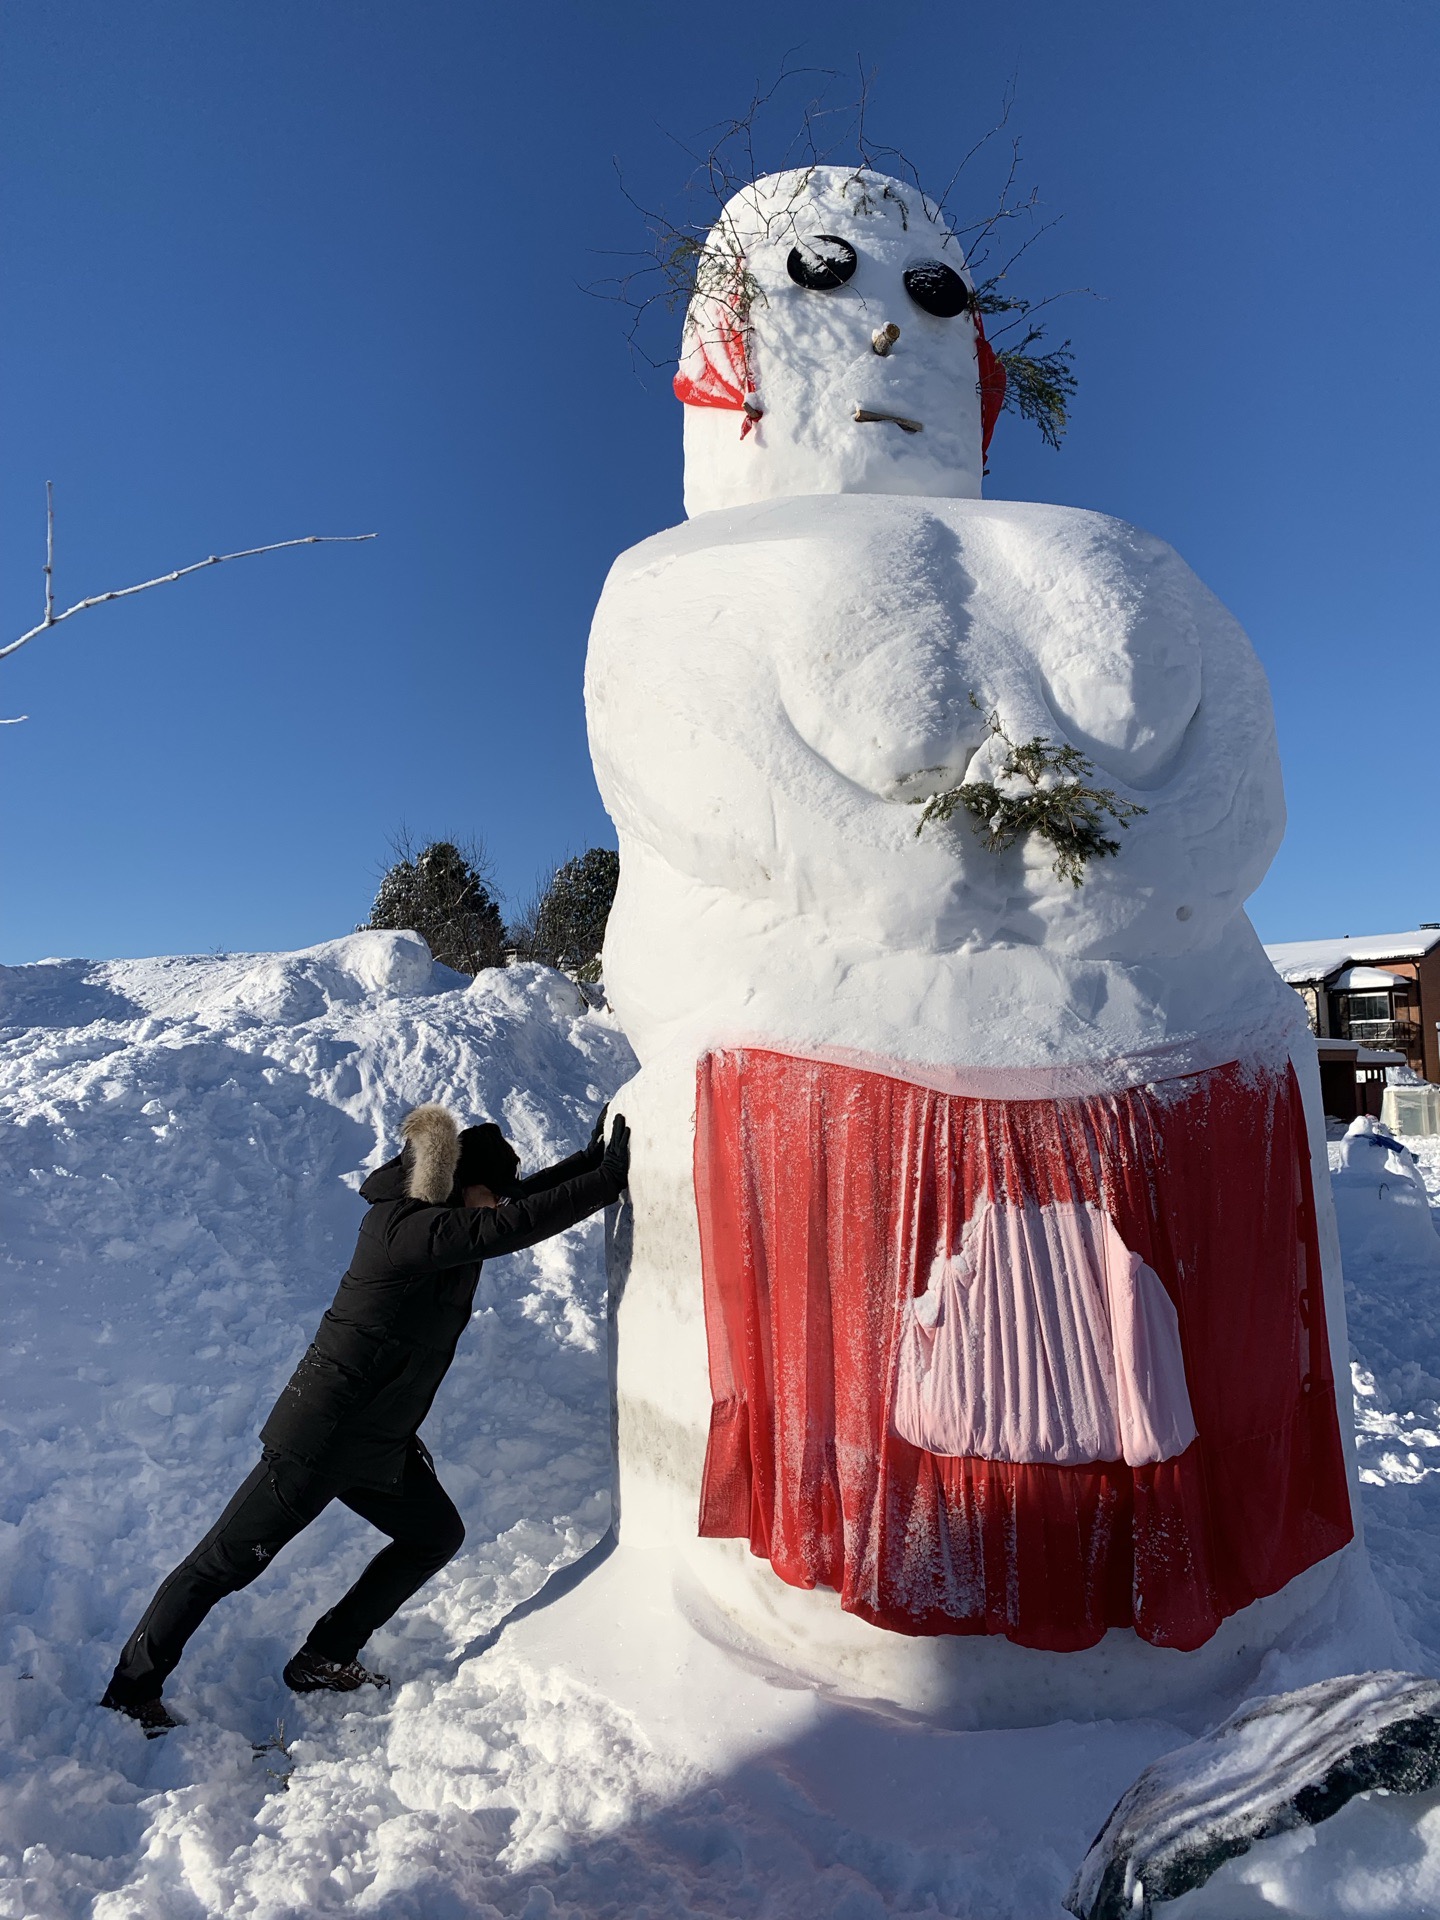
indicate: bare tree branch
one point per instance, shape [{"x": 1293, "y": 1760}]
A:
[
  {"x": 49, "y": 553},
  {"x": 53, "y": 619},
  {"x": 1005, "y": 106}
]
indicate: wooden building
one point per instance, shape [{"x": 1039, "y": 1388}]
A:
[
  {"x": 1353, "y": 1078},
  {"x": 1381, "y": 991}
]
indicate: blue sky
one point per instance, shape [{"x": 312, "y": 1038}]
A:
[{"x": 317, "y": 266}]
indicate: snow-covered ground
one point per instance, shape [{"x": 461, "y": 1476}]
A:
[{"x": 180, "y": 1139}]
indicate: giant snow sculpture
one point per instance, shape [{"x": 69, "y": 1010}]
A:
[{"x": 982, "y": 1295}]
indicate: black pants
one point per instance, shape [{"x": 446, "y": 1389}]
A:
[{"x": 275, "y": 1502}]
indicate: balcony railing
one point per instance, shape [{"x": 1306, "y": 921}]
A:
[{"x": 1393, "y": 1036}]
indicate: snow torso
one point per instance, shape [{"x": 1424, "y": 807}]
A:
[{"x": 772, "y": 687}]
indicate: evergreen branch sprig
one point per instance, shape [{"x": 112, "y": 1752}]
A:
[
  {"x": 1068, "y": 813},
  {"x": 1038, "y": 386}
]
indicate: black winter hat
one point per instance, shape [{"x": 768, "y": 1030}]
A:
[{"x": 487, "y": 1159}]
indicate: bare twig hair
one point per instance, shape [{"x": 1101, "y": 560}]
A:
[{"x": 699, "y": 250}]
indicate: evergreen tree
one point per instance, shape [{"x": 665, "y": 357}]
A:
[
  {"x": 564, "y": 926},
  {"x": 441, "y": 894}
]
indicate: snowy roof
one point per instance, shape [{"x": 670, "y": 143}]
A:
[
  {"x": 1313, "y": 959},
  {"x": 1357, "y": 979},
  {"x": 1364, "y": 1056}
]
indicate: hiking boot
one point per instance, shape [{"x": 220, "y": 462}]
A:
[
  {"x": 153, "y": 1715},
  {"x": 308, "y": 1673}
]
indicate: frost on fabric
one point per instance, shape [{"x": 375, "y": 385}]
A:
[{"x": 975, "y": 1475}]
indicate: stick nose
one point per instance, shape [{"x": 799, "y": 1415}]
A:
[{"x": 884, "y": 338}]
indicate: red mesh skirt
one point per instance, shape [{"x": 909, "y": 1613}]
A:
[{"x": 827, "y": 1193}]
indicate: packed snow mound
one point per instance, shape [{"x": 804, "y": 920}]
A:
[
  {"x": 297, "y": 985},
  {"x": 1380, "y": 1198},
  {"x": 289, "y": 987}
]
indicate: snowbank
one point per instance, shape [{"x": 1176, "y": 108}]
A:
[
  {"x": 178, "y": 1157},
  {"x": 180, "y": 1142}
]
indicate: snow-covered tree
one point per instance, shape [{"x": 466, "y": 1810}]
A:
[
  {"x": 441, "y": 894},
  {"x": 564, "y": 926}
]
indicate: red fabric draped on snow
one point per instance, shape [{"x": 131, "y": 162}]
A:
[{"x": 825, "y": 1193}]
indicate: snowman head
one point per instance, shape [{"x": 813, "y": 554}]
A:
[{"x": 833, "y": 346}]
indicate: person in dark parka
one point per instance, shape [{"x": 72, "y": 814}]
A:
[{"x": 346, "y": 1425}]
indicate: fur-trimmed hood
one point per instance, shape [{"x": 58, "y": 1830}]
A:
[
  {"x": 439, "y": 1155},
  {"x": 432, "y": 1153},
  {"x": 425, "y": 1170}
]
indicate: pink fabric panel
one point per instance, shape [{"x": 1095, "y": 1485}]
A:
[
  {"x": 1152, "y": 1400},
  {"x": 1043, "y": 1338}
]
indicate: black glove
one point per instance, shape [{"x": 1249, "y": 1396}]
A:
[
  {"x": 595, "y": 1149},
  {"x": 616, "y": 1160}
]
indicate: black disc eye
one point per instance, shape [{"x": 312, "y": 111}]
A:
[
  {"x": 938, "y": 289},
  {"x": 822, "y": 264}
]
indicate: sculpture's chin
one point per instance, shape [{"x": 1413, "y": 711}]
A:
[{"x": 822, "y": 451}]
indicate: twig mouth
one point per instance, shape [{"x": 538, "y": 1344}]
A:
[{"x": 898, "y": 419}]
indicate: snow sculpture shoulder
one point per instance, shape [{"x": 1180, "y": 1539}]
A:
[{"x": 773, "y": 689}]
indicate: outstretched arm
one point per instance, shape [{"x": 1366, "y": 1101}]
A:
[
  {"x": 433, "y": 1238},
  {"x": 588, "y": 1158}
]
